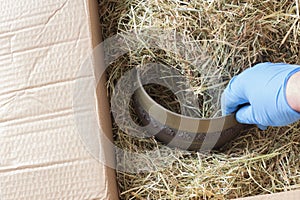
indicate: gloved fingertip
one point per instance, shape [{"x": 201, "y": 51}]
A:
[
  {"x": 244, "y": 115},
  {"x": 228, "y": 104},
  {"x": 224, "y": 107},
  {"x": 261, "y": 127}
]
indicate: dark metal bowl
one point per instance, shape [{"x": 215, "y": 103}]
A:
[{"x": 185, "y": 132}]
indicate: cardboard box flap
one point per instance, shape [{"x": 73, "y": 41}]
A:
[
  {"x": 291, "y": 195},
  {"x": 42, "y": 45}
]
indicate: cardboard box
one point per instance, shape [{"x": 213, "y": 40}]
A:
[{"x": 42, "y": 45}]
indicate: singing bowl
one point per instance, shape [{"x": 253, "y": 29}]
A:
[{"x": 184, "y": 132}]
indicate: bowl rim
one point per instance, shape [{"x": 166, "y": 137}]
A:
[{"x": 178, "y": 121}]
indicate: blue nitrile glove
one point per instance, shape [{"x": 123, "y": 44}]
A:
[{"x": 261, "y": 91}]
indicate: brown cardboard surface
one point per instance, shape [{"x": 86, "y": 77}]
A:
[
  {"x": 42, "y": 45},
  {"x": 292, "y": 195}
]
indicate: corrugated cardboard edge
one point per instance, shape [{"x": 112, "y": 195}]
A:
[
  {"x": 291, "y": 195},
  {"x": 103, "y": 105}
]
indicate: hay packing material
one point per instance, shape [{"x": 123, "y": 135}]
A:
[{"x": 236, "y": 34}]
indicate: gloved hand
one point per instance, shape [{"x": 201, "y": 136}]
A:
[{"x": 262, "y": 92}]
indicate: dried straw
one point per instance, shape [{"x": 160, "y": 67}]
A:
[{"x": 236, "y": 35}]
